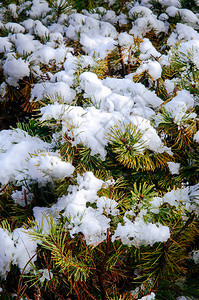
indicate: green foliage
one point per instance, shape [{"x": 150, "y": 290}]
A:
[
  {"x": 125, "y": 143},
  {"x": 179, "y": 137},
  {"x": 65, "y": 253},
  {"x": 190, "y": 4},
  {"x": 35, "y": 128},
  {"x": 77, "y": 263},
  {"x": 186, "y": 66},
  {"x": 61, "y": 7},
  {"x": 127, "y": 146},
  {"x": 166, "y": 263}
]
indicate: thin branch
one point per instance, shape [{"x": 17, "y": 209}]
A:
[
  {"x": 20, "y": 279},
  {"x": 101, "y": 269},
  {"x": 121, "y": 58},
  {"x": 53, "y": 288},
  {"x": 86, "y": 290},
  {"x": 129, "y": 61},
  {"x": 4, "y": 187}
]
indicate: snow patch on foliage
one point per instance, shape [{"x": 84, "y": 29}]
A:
[
  {"x": 94, "y": 222},
  {"x": 139, "y": 233},
  {"x": 25, "y": 157},
  {"x": 16, "y": 248},
  {"x": 53, "y": 90},
  {"x": 15, "y": 69},
  {"x": 174, "y": 167},
  {"x": 149, "y": 297},
  {"x": 95, "y": 36}
]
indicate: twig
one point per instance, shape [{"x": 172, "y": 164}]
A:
[
  {"x": 53, "y": 289},
  {"x": 27, "y": 297},
  {"x": 79, "y": 293},
  {"x": 38, "y": 296},
  {"x": 75, "y": 289},
  {"x": 170, "y": 241},
  {"x": 86, "y": 290},
  {"x": 20, "y": 279},
  {"x": 26, "y": 202},
  {"x": 88, "y": 251},
  {"x": 121, "y": 58},
  {"x": 4, "y": 187},
  {"x": 129, "y": 61},
  {"x": 101, "y": 269},
  {"x": 107, "y": 249}
]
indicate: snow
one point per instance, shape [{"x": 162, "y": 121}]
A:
[
  {"x": 187, "y": 46},
  {"x": 142, "y": 97},
  {"x": 14, "y": 27},
  {"x": 174, "y": 167},
  {"x": 195, "y": 256},
  {"x": 149, "y": 297},
  {"x": 15, "y": 69},
  {"x": 183, "y": 298},
  {"x": 174, "y": 197},
  {"x": 182, "y": 32},
  {"x": 125, "y": 39},
  {"x": 148, "y": 50},
  {"x": 40, "y": 43},
  {"x": 183, "y": 198},
  {"x": 150, "y": 137},
  {"x": 40, "y": 30},
  {"x": 45, "y": 167},
  {"x": 25, "y": 43},
  {"x": 172, "y": 11},
  {"x": 28, "y": 24},
  {"x": 15, "y": 146},
  {"x": 89, "y": 126},
  {"x": 145, "y": 21},
  {"x": 46, "y": 275},
  {"x": 188, "y": 16},
  {"x": 170, "y": 85},
  {"x": 53, "y": 90},
  {"x": 93, "y": 223},
  {"x": 196, "y": 137},
  {"x": 95, "y": 36},
  {"x": 153, "y": 67},
  {"x": 24, "y": 157},
  {"x": 13, "y": 9},
  {"x": 156, "y": 202},
  {"x": 6, "y": 250},
  {"x": 186, "y": 32},
  {"x": 48, "y": 53},
  {"x": 5, "y": 45},
  {"x": 86, "y": 127},
  {"x": 179, "y": 106},
  {"x": 139, "y": 233},
  {"x": 16, "y": 248},
  {"x": 82, "y": 218},
  {"x": 25, "y": 249},
  {"x": 19, "y": 197},
  {"x": 39, "y": 9},
  {"x": 42, "y": 219}
]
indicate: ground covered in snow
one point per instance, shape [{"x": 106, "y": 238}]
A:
[{"x": 106, "y": 148}]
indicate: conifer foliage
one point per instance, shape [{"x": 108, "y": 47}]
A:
[{"x": 99, "y": 156}]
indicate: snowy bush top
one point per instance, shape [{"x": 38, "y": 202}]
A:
[{"x": 115, "y": 92}]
